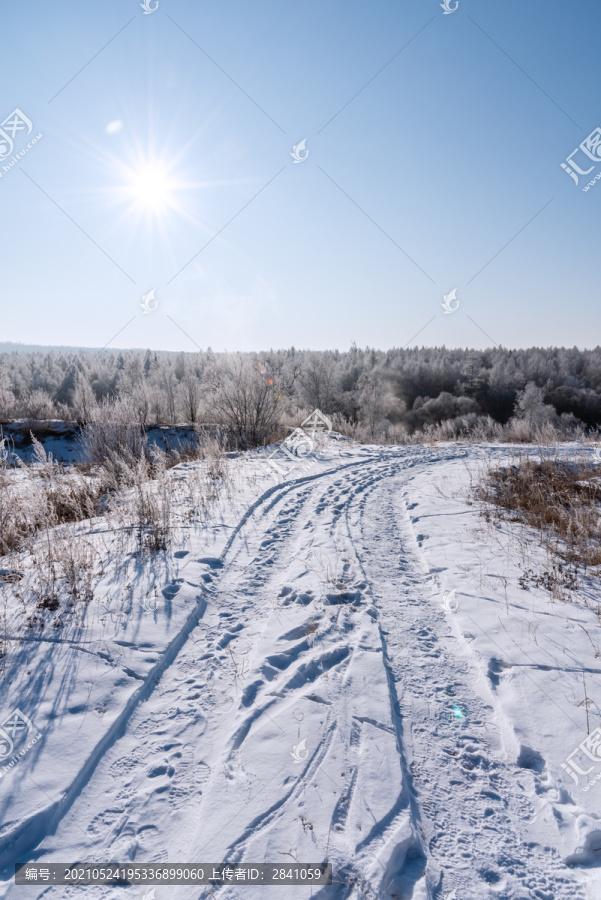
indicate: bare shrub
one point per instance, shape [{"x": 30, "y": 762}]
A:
[{"x": 245, "y": 398}]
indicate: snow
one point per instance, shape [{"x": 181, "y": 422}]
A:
[{"x": 297, "y": 688}]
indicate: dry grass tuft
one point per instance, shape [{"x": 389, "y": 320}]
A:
[
  {"x": 553, "y": 494},
  {"x": 560, "y": 498},
  {"x": 49, "y": 515}
]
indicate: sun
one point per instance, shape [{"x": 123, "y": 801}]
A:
[
  {"x": 153, "y": 191},
  {"x": 151, "y": 188}
]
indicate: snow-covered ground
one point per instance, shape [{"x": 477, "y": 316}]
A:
[{"x": 296, "y": 680}]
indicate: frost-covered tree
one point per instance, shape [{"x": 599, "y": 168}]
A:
[
  {"x": 372, "y": 390},
  {"x": 530, "y": 405}
]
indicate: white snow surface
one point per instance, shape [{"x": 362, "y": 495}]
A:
[{"x": 302, "y": 691}]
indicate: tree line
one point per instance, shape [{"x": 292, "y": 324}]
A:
[{"x": 376, "y": 394}]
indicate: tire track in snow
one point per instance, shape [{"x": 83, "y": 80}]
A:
[
  {"x": 175, "y": 718},
  {"x": 305, "y": 672},
  {"x": 354, "y": 870},
  {"x": 277, "y": 814},
  {"x": 467, "y": 793},
  {"x": 31, "y": 832},
  {"x": 118, "y": 824}
]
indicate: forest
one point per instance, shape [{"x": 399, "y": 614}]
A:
[{"x": 396, "y": 396}]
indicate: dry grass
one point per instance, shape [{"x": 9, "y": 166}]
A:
[
  {"x": 49, "y": 515},
  {"x": 47, "y": 494},
  {"x": 561, "y": 499},
  {"x": 555, "y": 495},
  {"x": 43, "y": 497}
]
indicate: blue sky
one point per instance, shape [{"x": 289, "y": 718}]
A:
[{"x": 442, "y": 173}]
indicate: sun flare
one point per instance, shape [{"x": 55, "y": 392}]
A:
[
  {"x": 154, "y": 191},
  {"x": 152, "y": 188}
]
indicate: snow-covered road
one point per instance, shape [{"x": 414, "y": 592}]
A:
[{"x": 324, "y": 706}]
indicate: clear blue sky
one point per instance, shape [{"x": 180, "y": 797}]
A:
[{"x": 448, "y": 153}]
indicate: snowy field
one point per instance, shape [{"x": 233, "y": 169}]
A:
[{"x": 340, "y": 667}]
